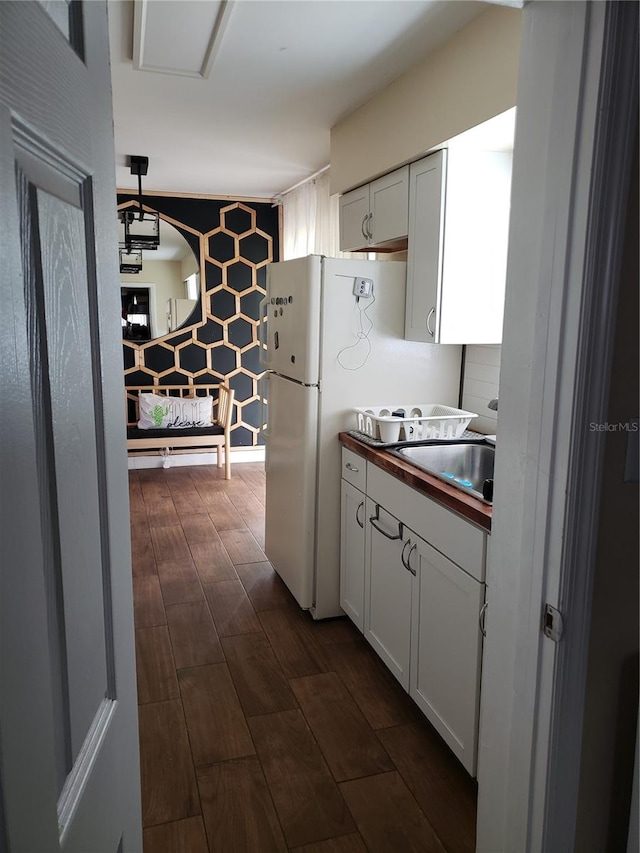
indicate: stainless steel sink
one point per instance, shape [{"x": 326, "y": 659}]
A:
[{"x": 465, "y": 466}]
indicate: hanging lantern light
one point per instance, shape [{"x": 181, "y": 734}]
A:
[
  {"x": 130, "y": 261},
  {"x": 141, "y": 227}
]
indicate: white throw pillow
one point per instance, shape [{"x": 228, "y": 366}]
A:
[{"x": 158, "y": 412}]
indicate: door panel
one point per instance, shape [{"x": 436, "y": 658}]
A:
[
  {"x": 388, "y": 593},
  {"x": 354, "y": 210},
  {"x": 424, "y": 259},
  {"x": 389, "y": 202},
  {"x": 446, "y": 649},
  {"x": 74, "y": 465},
  {"x": 69, "y": 769}
]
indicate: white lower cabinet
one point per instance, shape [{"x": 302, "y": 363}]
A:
[
  {"x": 388, "y": 592},
  {"x": 352, "y": 532},
  {"x": 418, "y": 608},
  {"x": 446, "y": 648}
]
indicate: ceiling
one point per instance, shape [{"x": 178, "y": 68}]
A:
[{"x": 281, "y": 73}]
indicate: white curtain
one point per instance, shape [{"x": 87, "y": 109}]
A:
[{"x": 310, "y": 223}]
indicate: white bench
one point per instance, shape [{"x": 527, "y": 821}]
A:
[{"x": 198, "y": 439}]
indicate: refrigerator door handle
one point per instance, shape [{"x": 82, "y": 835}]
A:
[
  {"x": 264, "y": 402},
  {"x": 262, "y": 315}
]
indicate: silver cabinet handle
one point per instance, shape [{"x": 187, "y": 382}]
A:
[
  {"x": 362, "y": 227},
  {"x": 369, "y": 231},
  {"x": 483, "y": 610},
  {"x": 360, "y": 505},
  {"x": 376, "y": 518},
  {"x": 407, "y": 563},
  {"x": 352, "y": 468},
  {"x": 411, "y": 550},
  {"x": 429, "y": 316}
]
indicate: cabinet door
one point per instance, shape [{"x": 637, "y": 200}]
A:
[
  {"x": 388, "y": 590},
  {"x": 354, "y": 218},
  {"x": 389, "y": 207},
  {"x": 424, "y": 259},
  {"x": 352, "y": 553},
  {"x": 474, "y": 266},
  {"x": 446, "y": 648}
]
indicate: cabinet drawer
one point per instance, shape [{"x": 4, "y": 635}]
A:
[
  {"x": 354, "y": 469},
  {"x": 456, "y": 538}
]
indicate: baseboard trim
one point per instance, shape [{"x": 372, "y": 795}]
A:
[{"x": 154, "y": 460}]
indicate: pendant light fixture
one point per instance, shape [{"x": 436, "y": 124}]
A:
[
  {"x": 130, "y": 261},
  {"x": 141, "y": 227}
]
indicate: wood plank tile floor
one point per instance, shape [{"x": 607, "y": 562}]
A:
[{"x": 260, "y": 729}]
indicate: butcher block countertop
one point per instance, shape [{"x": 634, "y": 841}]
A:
[{"x": 465, "y": 505}]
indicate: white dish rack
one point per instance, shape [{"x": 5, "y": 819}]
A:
[{"x": 413, "y": 422}]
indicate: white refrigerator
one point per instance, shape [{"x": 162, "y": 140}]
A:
[{"x": 328, "y": 350}]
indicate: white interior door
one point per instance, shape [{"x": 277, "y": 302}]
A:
[{"x": 69, "y": 768}]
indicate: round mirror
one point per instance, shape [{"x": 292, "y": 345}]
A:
[{"x": 165, "y": 293}]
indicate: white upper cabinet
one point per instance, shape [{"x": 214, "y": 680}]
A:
[
  {"x": 424, "y": 260},
  {"x": 377, "y": 213},
  {"x": 457, "y": 247},
  {"x": 354, "y": 217}
]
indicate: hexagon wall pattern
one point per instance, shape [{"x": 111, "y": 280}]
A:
[{"x": 234, "y": 241}]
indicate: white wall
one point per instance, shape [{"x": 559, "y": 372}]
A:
[
  {"x": 481, "y": 380},
  {"x": 189, "y": 265},
  {"x": 470, "y": 79},
  {"x": 167, "y": 278}
]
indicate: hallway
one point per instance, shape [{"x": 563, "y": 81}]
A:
[{"x": 260, "y": 729}]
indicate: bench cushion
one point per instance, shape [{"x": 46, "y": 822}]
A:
[{"x": 135, "y": 432}]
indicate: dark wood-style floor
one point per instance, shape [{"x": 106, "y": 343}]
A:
[{"x": 260, "y": 729}]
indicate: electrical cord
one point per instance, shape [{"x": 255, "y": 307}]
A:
[{"x": 361, "y": 335}]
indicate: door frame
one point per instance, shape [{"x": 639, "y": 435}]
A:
[
  {"x": 564, "y": 255},
  {"x": 613, "y": 147}
]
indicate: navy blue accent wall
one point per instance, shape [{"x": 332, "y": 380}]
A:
[{"x": 235, "y": 240}]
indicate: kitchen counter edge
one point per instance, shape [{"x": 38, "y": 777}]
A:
[{"x": 465, "y": 505}]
